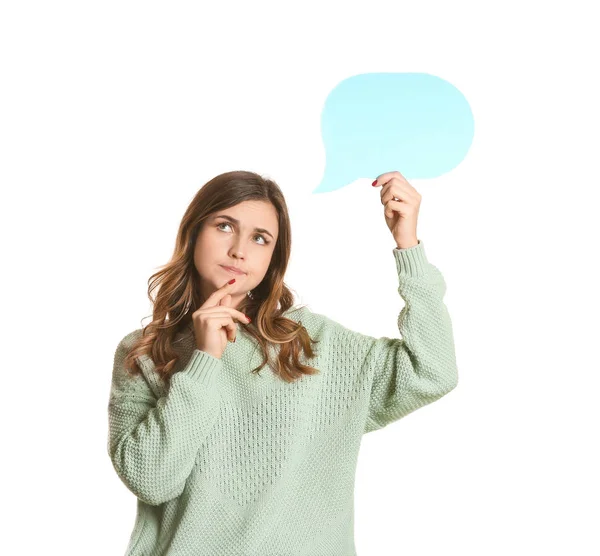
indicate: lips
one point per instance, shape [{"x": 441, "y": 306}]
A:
[{"x": 232, "y": 270}]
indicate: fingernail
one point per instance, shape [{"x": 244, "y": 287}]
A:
[
  {"x": 231, "y": 281},
  {"x": 374, "y": 183}
]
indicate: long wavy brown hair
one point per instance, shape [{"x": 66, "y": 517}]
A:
[{"x": 178, "y": 291}]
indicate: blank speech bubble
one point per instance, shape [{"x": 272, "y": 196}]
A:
[{"x": 416, "y": 123}]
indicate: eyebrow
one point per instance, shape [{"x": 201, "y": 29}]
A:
[{"x": 262, "y": 230}]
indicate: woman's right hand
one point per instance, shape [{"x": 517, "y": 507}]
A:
[{"x": 214, "y": 322}]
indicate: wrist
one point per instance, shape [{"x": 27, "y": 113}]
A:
[{"x": 407, "y": 244}]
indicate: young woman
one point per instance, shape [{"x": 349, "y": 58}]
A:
[{"x": 225, "y": 459}]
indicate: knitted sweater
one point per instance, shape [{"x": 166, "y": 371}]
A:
[{"x": 226, "y": 462}]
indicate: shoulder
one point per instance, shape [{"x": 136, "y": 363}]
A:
[
  {"x": 317, "y": 324},
  {"x": 343, "y": 346},
  {"x": 127, "y": 341},
  {"x": 131, "y": 337},
  {"x": 333, "y": 333},
  {"x": 125, "y": 346}
]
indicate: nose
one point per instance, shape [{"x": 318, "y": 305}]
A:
[{"x": 236, "y": 251}]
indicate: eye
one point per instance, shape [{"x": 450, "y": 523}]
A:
[{"x": 257, "y": 235}]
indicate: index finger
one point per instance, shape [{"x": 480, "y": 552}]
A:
[
  {"x": 216, "y": 296},
  {"x": 382, "y": 179}
]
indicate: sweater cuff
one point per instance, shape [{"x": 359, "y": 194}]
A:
[
  {"x": 202, "y": 367},
  {"x": 411, "y": 261}
]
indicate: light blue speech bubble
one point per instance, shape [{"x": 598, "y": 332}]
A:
[{"x": 372, "y": 123}]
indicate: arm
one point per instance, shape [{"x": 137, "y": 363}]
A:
[
  {"x": 404, "y": 374},
  {"x": 153, "y": 442},
  {"x": 420, "y": 368}
]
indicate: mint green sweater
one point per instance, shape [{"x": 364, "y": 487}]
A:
[{"x": 225, "y": 462}]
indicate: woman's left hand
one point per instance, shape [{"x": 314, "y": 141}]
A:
[{"x": 402, "y": 202}]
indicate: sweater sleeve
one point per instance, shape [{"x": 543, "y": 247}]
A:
[
  {"x": 404, "y": 374},
  {"x": 153, "y": 441},
  {"x": 419, "y": 368}
]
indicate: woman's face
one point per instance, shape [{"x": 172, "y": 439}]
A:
[{"x": 221, "y": 242}]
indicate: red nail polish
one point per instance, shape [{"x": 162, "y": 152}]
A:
[
  {"x": 374, "y": 183},
  {"x": 231, "y": 281}
]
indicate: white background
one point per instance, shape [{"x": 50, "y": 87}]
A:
[{"x": 113, "y": 114}]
